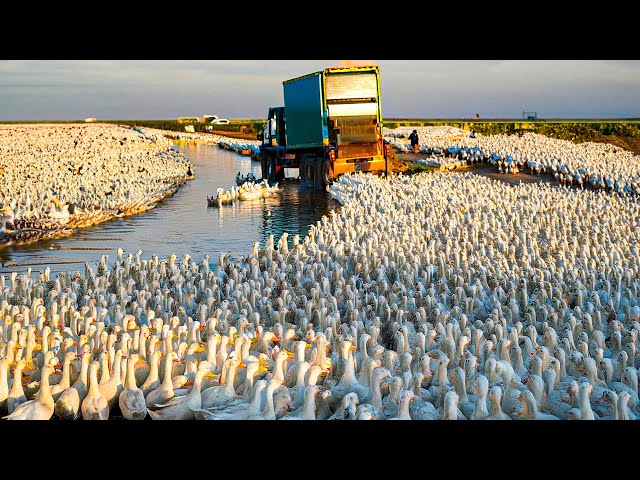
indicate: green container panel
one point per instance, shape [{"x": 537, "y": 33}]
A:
[{"x": 303, "y": 103}]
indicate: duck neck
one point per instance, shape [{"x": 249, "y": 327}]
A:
[
  {"x": 268, "y": 411},
  {"x": 104, "y": 369},
  {"x": 300, "y": 376},
  {"x": 197, "y": 382},
  {"x": 116, "y": 374},
  {"x": 153, "y": 370},
  {"x": 585, "y": 407},
  {"x": 614, "y": 409},
  {"x": 254, "y": 406},
  {"x": 212, "y": 350},
  {"x": 309, "y": 408},
  {"x": 93, "y": 382},
  {"x": 480, "y": 408},
  {"x": 44, "y": 394},
  {"x": 231, "y": 374},
  {"x": 16, "y": 386},
  {"x": 459, "y": 385},
  {"x": 621, "y": 408},
  {"x": 529, "y": 408},
  {"x": 376, "y": 394},
  {"x": 403, "y": 410},
  {"x": 168, "y": 366},
  {"x": 496, "y": 408},
  {"x": 83, "y": 378},
  {"x": 130, "y": 381},
  {"x": 65, "y": 381},
  {"x": 349, "y": 374},
  {"x": 278, "y": 372}
]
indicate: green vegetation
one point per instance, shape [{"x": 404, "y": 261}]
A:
[{"x": 624, "y": 133}]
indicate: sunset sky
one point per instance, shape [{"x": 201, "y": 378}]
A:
[{"x": 163, "y": 89}]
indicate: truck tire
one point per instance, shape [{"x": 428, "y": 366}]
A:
[
  {"x": 326, "y": 172},
  {"x": 311, "y": 170},
  {"x": 317, "y": 175},
  {"x": 263, "y": 164},
  {"x": 271, "y": 169},
  {"x": 303, "y": 171}
]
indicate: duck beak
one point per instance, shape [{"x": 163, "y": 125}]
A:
[
  {"x": 200, "y": 349},
  {"x": 242, "y": 365},
  {"x": 188, "y": 383},
  {"x": 38, "y": 347},
  {"x": 308, "y": 346},
  {"x": 262, "y": 369},
  {"x": 211, "y": 375}
]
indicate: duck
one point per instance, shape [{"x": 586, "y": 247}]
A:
[
  {"x": 94, "y": 406},
  {"x": 65, "y": 381},
  {"x": 183, "y": 408},
  {"x": 529, "y": 408},
  {"x": 624, "y": 412},
  {"x": 481, "y": 390},
  {"x": 406, "y": 397},
  {"x": 113, "y": 387},
  {"x": 240, "y": 410},
  {"x": 42, "y": 406},
  {"x": 268, "y": 412},
  {"x": 16, "y": 395},
  {"x": 584, "y": 412},
  {"x": 131, "y": 399},
  {"x": 165, "y": 391},
  {"x": 347, "y": 408},
  {"x": 308, "y": 410},
  {"x": 450, "y": 406},
  {"x": 495, "y": 411},
  {"x": 221, "y": 394},
  {"x": 466, "y": 403},
  {"x": 153, "y": 380},
  {"x": 67, "y": 406},
  {"x": 610, "y": 398}
]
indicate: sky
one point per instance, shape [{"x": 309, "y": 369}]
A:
[{"x": 245, "y": 89}]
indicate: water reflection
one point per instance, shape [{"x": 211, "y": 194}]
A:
[{"x": 184, "y": 223}]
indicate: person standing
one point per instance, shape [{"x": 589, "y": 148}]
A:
[{"x": 414, "y": 141}]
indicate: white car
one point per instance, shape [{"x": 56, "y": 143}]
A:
[{"x": 220, "y": 121}]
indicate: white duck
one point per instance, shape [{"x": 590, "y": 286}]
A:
[
  {"x": 16, "y": 395},
  {"x": 406, "y": 397},
  {"x": 113, "y": 387},
  {"x": 42, "y": 406},
  {"x": 237, "y": 411},
  {"x": 94, "y": 406},
  {"x": 222, "y": 394},
  {"x": 67, "y": 407},
  {"x": 165, "y": 391},
  {"x": 183, "y": 408},
  {"x": 308, "y": 410},
  {"x": 529, "y": 408},
  {"x": 131, "y": 399}
]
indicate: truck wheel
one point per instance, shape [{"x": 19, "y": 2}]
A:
[
  {"x": 263, "y": 164},
  {"x": 271, "y": 169},
  {"x": 326, "y": 172},
  {"x": 317, "y": 175},
  {"x": 303, "y": 172},
  {"x": 311, "y": 170}
]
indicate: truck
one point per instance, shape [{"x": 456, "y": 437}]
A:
[{"x": 330, "y": 124}]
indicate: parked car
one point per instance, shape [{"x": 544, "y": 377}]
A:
[{"x": 221, "y": 121}]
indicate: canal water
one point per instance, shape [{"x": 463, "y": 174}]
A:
[{"x": 183, "y": 223}]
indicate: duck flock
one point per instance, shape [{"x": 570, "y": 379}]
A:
[
  {"x": 59, "y": 177},
  {"x": 436, "y": 296},
  {"x": 589, "y": 164}
]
